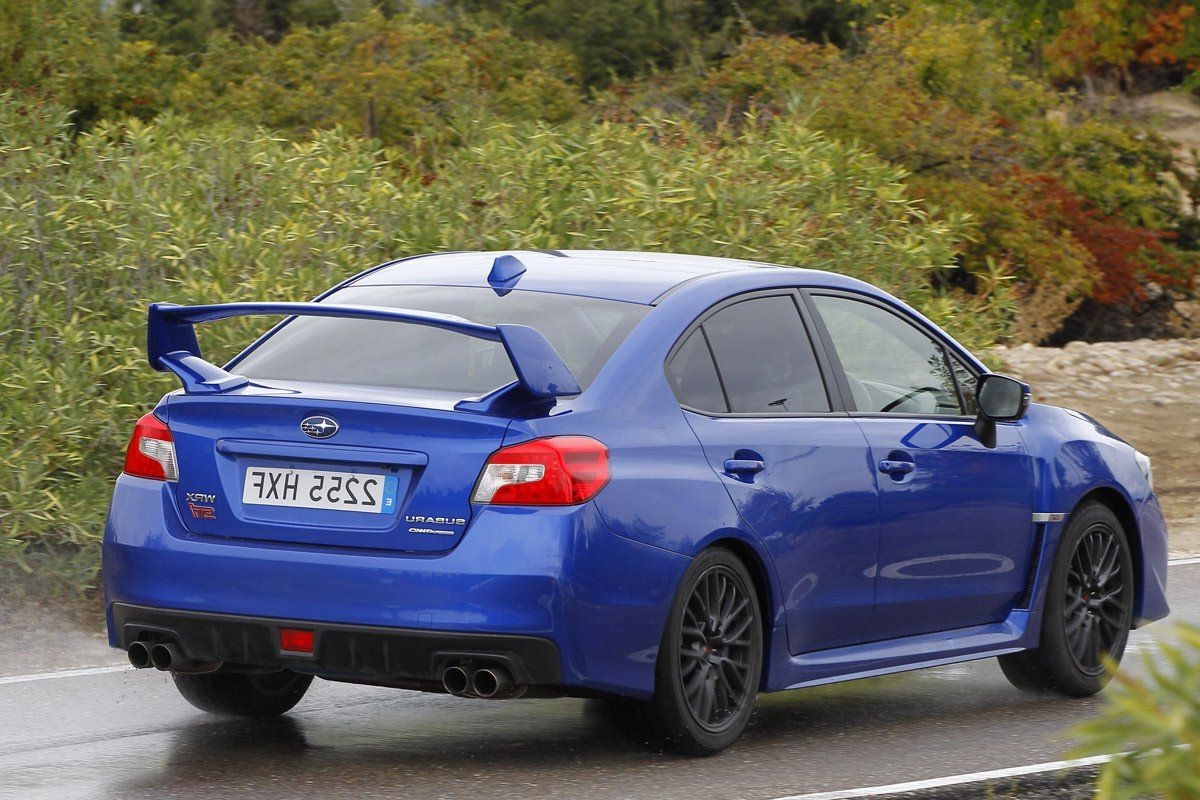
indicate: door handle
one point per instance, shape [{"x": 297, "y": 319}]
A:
[
  {"x": 894, "y": 467},
  {"x": 744, "y": 466}
]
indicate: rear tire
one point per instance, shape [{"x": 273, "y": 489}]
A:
[
  {"x": 242, "y": 695},
  {"x": 709, "y": 663},
  {"x": 1088, "y": 610}
]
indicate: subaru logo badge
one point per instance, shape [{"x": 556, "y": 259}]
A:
[{"x": 319, "y": 427}]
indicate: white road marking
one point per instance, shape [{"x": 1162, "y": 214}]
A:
[
  {"x": 1175, "y": 562},
  {"x": 951, "y": 780},
  {"x": 66, "y": 673}
]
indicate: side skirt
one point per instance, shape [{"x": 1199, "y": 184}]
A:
[{"x": 898, "y": 655}]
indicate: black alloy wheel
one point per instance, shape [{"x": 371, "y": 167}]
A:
[
  {"x": 1096, "y": 609},
  {"x": 715, "y": 657},
  {"x": 1088, "y": 610},
  {"x": 709, "y": 663}
]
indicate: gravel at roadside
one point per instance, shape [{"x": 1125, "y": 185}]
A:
[{"x": 1147, "y": 392}]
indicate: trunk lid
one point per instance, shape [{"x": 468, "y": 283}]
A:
[{"x": 412, "y": 454}]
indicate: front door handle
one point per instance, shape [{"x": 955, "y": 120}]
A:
[
  {"x": 894, "y": 467},
  {"x": 744, "y": 466}
]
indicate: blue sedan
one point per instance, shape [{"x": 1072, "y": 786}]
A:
[{"x": 670, "y": 482}]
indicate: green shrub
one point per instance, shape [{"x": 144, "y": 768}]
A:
[
  {"x": 939, "y": 95},
  {"x": 1153, "y": 723},
  {"x": 93, "y": 229}
]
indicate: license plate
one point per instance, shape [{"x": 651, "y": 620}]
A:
[{"x": 309, "y": 488}]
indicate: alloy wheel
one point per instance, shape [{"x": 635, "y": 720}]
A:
[
  {"x": 1098, "y": 602},
  {"x": 716, "y": 648}
]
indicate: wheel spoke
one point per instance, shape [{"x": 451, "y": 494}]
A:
[
  {"x": 742, "y": 628},
  {"x": 1079, "y": 640},
  {"x": 1094, "y": 646},
  {"x": 704, "y": 712},
  {"x": 739, "y": 608},
  {"x": 1113, "y": 620},
  {"x": 732, "y": 677}
]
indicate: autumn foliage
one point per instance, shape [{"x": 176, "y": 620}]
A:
[{"x": 1123, "y": 256}]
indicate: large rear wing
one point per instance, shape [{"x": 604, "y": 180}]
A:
[{"x": 171, "y": 342}]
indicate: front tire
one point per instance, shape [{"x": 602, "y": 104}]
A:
[
  {"x": 709, "y": 662},
  {"x": 1088, "y": 610},
  {"x": 243, "y": 695}
]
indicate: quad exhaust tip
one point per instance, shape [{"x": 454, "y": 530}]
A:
[
  {"x": 456, "y": 681},
  {"x": 139, "y": 655},
  {"x": 162, "y": 656},
  {"x": 491, "y": 683}
]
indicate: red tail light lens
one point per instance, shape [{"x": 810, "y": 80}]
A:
[
  {"x": 151, "y": 451},
  {"x": 556, "y": 471}
]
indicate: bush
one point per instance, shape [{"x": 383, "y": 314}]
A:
[
  {"x": 93, "y": 229},
  {"x": 938, "y": 95},
  {"x": 1153, "y": 723}
]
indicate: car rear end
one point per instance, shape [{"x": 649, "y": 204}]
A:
[{"x": 374, "y": 501}]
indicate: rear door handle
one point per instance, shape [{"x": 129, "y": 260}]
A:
[
  {"x": 744, "y": 466},
  {"x": 892, "y": 467}
]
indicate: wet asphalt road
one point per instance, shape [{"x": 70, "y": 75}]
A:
[{"x": 128, "y": 735}]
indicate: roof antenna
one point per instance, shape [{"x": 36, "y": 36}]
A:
[{"x": 506, "y": 271}]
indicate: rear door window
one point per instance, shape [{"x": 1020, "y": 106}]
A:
[
  {"x": 584, "y": 330},
  {"x": 693, "y": 376},
  {"x": 765, "y": 357}
]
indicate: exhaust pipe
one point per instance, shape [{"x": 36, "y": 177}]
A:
[
  {"x": 492, "y": 683},
  {"x": 166, "y": 657},
  {"x": 162, "y": 656},
  {"x": 456, "y": 681},
  {"x": 139, "y": 655}
]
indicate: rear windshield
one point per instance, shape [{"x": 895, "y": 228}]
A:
[{"x": 583, "y": 330}]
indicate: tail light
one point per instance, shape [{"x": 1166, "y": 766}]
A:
[
  {"x": 151, "y": 451},
  {"x": 556, "y": 471}
]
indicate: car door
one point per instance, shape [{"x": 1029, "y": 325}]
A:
[
  {"x": 956, "y": 524},
  {"x": 795, "y": 465}
]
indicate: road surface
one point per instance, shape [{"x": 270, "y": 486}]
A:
[{"x": 126, "y": 734}]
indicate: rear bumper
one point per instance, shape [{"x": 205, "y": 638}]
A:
[
  {"x": 404, "y": 657},
  {"x": 558, "y": 575}
]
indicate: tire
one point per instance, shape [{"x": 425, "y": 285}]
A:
[
  {"x": 709, "y": 664},
  {"x": 241, "y": 695},
  {"x": 1088, "y": 610}
]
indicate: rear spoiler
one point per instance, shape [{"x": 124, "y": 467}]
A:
[{"x": 171, "y": 342}]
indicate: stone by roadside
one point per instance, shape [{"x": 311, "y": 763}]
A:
[{"x": 1147, "y": 392}]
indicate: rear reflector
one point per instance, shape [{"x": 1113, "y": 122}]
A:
[
  {"x": 556, "y": 471},
  {"x": 294, "y": 640},
  {"x": 151, "y": 451}
]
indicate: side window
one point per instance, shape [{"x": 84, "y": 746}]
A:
[
  {"x": 892, "y": 366},
  {"x": 966, "y": 382},
  {"x": 765, "y": 357},
  {"x": 693, "y": 376}
]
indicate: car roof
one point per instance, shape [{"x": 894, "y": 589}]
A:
[{"x": 635, "y": 277}]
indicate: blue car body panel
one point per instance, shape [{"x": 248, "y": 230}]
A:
[{"x": 861, "y": 574}]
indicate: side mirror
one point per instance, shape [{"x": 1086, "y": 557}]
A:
[{"x": 1000, "y": 399}]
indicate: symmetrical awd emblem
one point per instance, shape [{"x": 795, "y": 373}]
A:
[{"x": 319, "y": 427}]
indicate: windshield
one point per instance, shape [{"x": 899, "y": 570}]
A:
[{"x": 583, "y": 330}]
